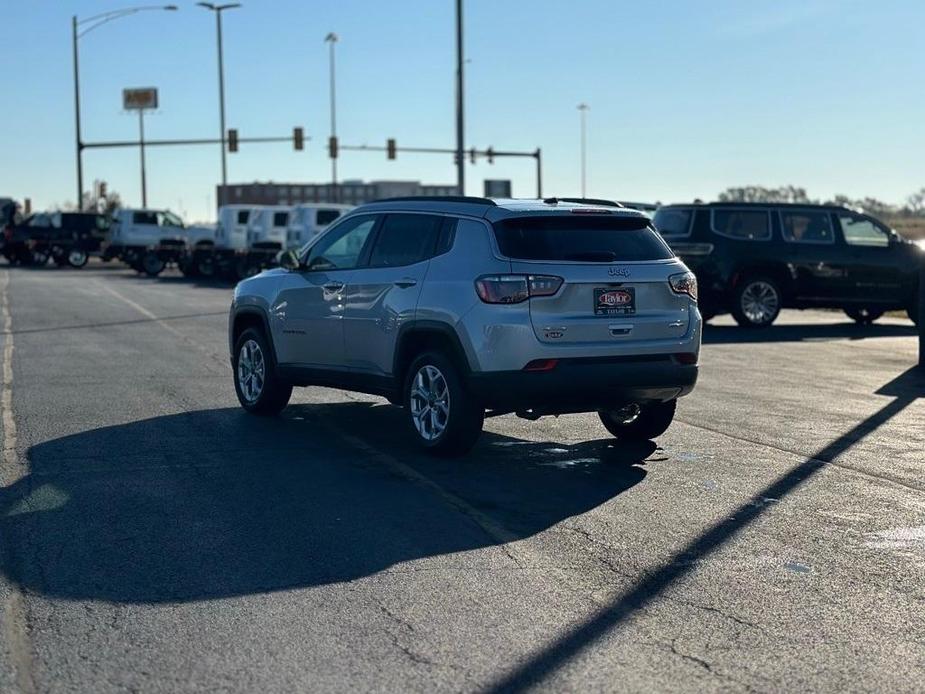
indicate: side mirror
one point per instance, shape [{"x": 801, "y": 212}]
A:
[{"x": 289, "y": 260}]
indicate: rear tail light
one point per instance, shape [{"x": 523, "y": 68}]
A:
[
  {"x": 514, "y": 289},
  {"x": 684, "y": 283}
]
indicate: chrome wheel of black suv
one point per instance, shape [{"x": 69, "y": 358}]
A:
[{"x": 757, "y": 302}]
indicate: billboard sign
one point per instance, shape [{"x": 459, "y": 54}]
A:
[
  {"x": 497, "y": 188},
  {"x": 139, "y": 99}
]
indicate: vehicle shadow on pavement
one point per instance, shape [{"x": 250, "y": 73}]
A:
[
  {"x": 546, "y": 661},
  {"x": 218, "y": 503},
  {"x": 727, "y": 334}
]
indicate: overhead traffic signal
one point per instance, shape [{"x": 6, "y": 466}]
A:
[
  {"x": 332, "y": 147},
  {"x": 298, "y": 138},
  {"x": 390, "y": 148},
  {"x": 232, "y": 140},
  {"x": 490, "y": 153},
  {"x": 472, "y": 155}
]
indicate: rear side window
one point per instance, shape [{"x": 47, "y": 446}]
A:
[
  {"x": 325, "y": 217},
  {"x": 673, "y": 222},
  {"x": 144, "y": 218},
  {"x": 807, "y": 226},
  {"x": 242, "y": 216},
  {"x": 747, "y": 225},
  {"x": 579, "y": 238},
  {"x": 280, "y": 219},
  {"x": 405, "y": 239}
]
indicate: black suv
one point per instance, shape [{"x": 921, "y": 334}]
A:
[{"x": 754, "y": 259}]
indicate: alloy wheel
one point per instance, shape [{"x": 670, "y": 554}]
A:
[
  {"x": 252, "y": 371},
  {"x": 430, "y": 402},
  {"x": 760, "y": 302}
]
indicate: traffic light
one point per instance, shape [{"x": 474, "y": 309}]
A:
[
  {"x": 472, "y": 155},
  {"x": 298, "y": 139},
  {"x": 102, "y": 189},
  {"x": 332, "y": 147},
  {"x": 232, "y": 140},
  {"x": 490, "y": 153},
  {"x": 390, "y": 148}
]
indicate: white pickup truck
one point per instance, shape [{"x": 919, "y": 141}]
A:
[{"x": 147, "y": 240}]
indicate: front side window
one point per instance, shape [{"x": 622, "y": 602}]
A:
[
  {"x": 861, "y": 231},
  {"x": 747, "y": 225},
  {"x": 807, "y": 226},
  {"x": 243, "y": 216},
  {"x": 405, "y": 239},
  {"x": 673, "y": 222},
  {"x": 341, "y": 249},
  {"x": 280, "y": 219},
  {"x": 169, "y": 219}
]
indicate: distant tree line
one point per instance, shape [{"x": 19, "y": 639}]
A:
[{"x": 914, "y": 205}]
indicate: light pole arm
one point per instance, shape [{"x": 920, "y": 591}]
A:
[{"x": 106, "y": 17}]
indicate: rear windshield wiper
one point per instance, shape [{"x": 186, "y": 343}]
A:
[{"x": 592, "y": 256}]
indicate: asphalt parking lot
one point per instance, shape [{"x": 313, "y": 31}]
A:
[{"x": 155, "y": 537}]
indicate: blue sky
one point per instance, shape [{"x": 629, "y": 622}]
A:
[{"x": 686, "y": 98}]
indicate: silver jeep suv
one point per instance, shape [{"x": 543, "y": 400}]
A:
[{"x": 462, "y": 308}]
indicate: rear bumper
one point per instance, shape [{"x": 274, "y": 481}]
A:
[{"x": 583, "y": 385}]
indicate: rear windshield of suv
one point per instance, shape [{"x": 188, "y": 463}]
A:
[{"x": 580, "y": 238}]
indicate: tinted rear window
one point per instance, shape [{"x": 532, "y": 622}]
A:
[
  {"x": 580, "y": 238},
  {"x": 751, "y": 225},
  {"x": 673, "y": 221}
]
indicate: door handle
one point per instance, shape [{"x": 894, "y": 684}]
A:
[
  {"x": 333, "y": 286},
  {"x": 405, "y": 282}
]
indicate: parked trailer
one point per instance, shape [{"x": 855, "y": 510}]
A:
[
  {"x": 310, "y": 219},
  {"x": 247, "y": 239}
]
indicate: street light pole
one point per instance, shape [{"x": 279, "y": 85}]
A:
[
  {"x": 79, "y": 146},
  {"x": 332, "y": 39},
  {"x": 94, "y": 21},
  {"x": 218, "y": 9},
  {"x": 583, "y": 109},
  {"x": 460, "y": 128},
  {"x": 141, "y": 142}
]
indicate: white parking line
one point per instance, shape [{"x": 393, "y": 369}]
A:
[{"x": 10, "y": 459}]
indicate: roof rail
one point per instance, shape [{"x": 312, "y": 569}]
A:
[
  {"x": 440, "y": 198},
  {"x": 585, "y": 201}
]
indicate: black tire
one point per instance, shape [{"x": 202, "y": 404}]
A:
[
  {"x": 756, "y": 302},
  {"x": 863, "y": 315},
  {"x": 650, "y": 422},
  {"x": 464, "y": 415},
  {"x": 188, "y": 268},
  {"x": 152, "y": 264},
  {"x": 270, "y": 397},
  {"x": 206, "y": 266},
  {"x": 243, "y": 269},
  {"x": 77, "y": 258}
]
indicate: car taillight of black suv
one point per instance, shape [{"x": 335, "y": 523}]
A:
[{"x": 754, "y": 259}]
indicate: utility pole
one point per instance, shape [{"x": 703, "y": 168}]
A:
[
  {"x": 80, "y": 170},
  {"x": 460, "y": 128},
  {"x": 331, "y": 39},
  {"x": 141, "y": 142},
  {"x": 218, "y": 9},
  {"x": 89, "y": 24},
  {"x": 583, "y": 109}
]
